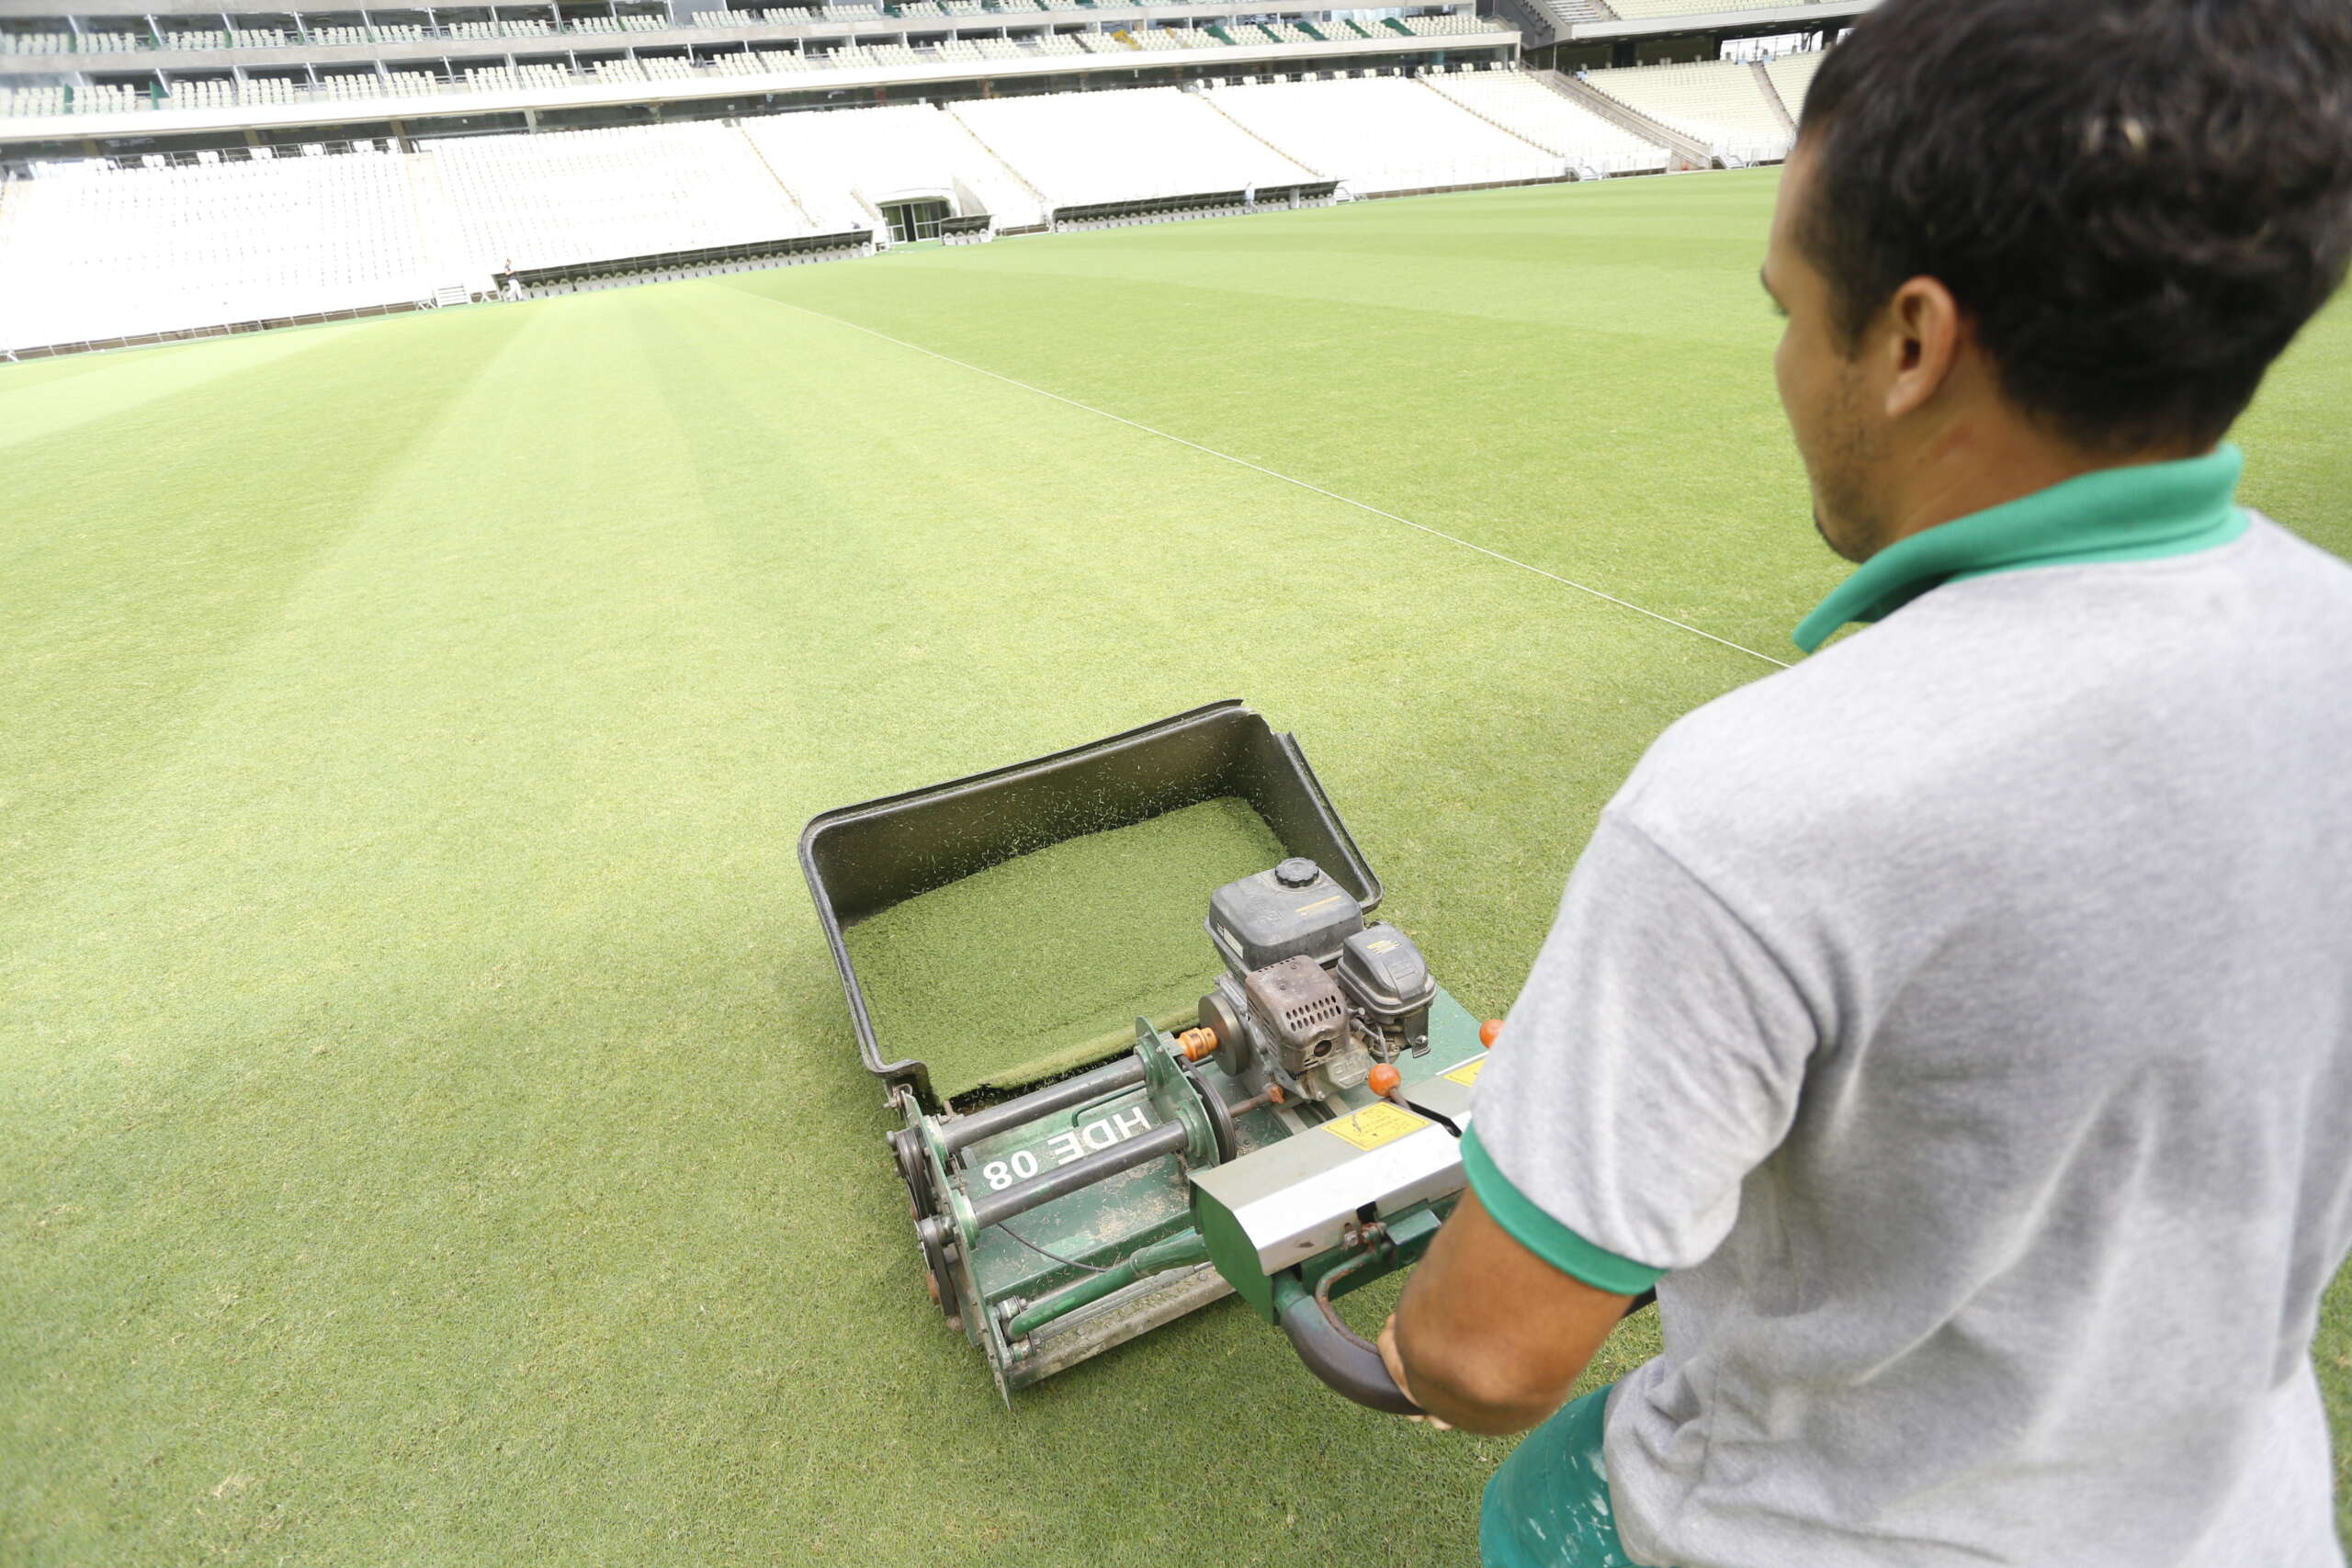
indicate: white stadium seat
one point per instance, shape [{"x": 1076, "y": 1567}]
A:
[
  {"x": 579, "y": 196},
  {"x": 1519, "y": 103},
  {"x": 1720, "y": 103},
  {"x": 1792, "y": 78},
  {"x": 120, "y": 253},
  {"x": 1088, "y": 149},
  {"x": 841, "y": 163},
  {"x": 1384, "y": 133}
]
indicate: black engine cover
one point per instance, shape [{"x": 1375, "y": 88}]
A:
[{"x": 1292, "y": 911}]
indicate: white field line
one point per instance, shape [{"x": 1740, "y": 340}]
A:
[{"x": 1303, "y": 484}]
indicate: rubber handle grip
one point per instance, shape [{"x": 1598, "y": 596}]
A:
[{"x": 1349, "y": 1366}]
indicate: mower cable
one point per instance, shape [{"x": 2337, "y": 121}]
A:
[
  {"x": 1323, "y": 1297},
  {"x": 1448, "y": 1122},
  {"x": 1052, "y": 1257}
]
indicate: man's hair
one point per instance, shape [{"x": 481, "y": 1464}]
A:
[{"x": 2137, "y": 203}]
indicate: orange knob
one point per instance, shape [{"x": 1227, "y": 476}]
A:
[
  {"x": 1196, "y": 1044},
  {"x": 1490, "y": 1031},
  {"x": 1385, "y": 1079}
]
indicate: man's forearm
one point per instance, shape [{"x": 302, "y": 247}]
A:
[
  {"x": 1488, "y": 1336},
  {"x": 1456, "y": 1396}
]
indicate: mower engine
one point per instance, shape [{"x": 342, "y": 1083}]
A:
[{"x": 1312, "y": 999}]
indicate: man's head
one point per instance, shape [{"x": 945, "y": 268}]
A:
[{"x": 2051, "y": 237}]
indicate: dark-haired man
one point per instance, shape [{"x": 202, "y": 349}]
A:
[{"x": 1957, "y": 1029}]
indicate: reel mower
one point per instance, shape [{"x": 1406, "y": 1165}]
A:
[{"x": 1293, "y": 1138}]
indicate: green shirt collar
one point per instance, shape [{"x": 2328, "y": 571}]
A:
[{"x": 2115, "y": 515}]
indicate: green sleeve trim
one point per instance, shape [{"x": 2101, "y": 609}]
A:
[{"x": 1546, "y": 1237}]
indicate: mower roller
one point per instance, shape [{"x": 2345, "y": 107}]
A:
[{"x": 1291, "y": 1139}]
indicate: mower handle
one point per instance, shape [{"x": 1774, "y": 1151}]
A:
[{"x": 1348, "y": 1364}]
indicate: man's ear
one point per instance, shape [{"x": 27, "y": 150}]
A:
[{"x": 1921, "y": 344}]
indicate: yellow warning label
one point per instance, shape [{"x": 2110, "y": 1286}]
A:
[
  {"x": 1467, "y": 1073},
  {"x": 1375, "y": 1126}
]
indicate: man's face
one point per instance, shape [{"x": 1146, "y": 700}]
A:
[{"x": 1822, "y": 386}]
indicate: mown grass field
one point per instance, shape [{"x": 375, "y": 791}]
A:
[{"x": 430, "y": 1131}]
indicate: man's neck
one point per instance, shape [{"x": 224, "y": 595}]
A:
[{"x": 1966, "y": 470}]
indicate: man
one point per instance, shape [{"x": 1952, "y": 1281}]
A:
[{"x": 1957, "y": 1029}]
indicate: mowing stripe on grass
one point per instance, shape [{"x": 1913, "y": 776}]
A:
[{"x": 1290, "y": 479}]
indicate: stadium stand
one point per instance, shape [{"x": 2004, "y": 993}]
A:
[
  {"x": 760, "y": 61},
  {"x": 268, "y": 33},
  {"x": 1641, "y": 10},
  {"x": 1720, "y": 103},
  {"x": 516, "y": 78},
  {"x": 222, "y": 94},
  {"x": 120, "y": 253},
  {"x": 564, "y": 198},
  {"x": 1383, "y": 133},
  {"x": 1450, "y": 27},
  {"x": 351, "y": 84},
  {"x": 32, "y": 101},
  {"x": 1132, "y": 144},
  {"x": 203, "y": 88},
  {"x": 1792, "y": 77},
  {"x": 269, "y": 90},
  {"x": 1523, "y": 105},
  {"x": 201, "y": 240},
  {"x": 105, "y": 100}
]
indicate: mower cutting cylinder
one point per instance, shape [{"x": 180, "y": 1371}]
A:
[
  {"x": 963, "y": 1132},
  {"x": 1168, "y": 1138}
]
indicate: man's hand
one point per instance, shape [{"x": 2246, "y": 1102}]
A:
[
  {"x": 1396, "y": 1364},
  {"x": 1488, "y": 1336}
]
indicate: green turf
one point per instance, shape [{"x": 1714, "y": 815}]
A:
[
  {"x": 1044, "y": 963},
  {"x": 430, "y": 1130}
]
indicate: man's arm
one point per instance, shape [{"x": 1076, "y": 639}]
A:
[{"x": 1488, "y": 1336}]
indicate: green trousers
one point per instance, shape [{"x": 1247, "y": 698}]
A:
[{"x": 1548, "y": 1506}]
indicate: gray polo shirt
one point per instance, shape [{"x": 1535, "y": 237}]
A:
[{"x": 1961, "y": 1025}]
